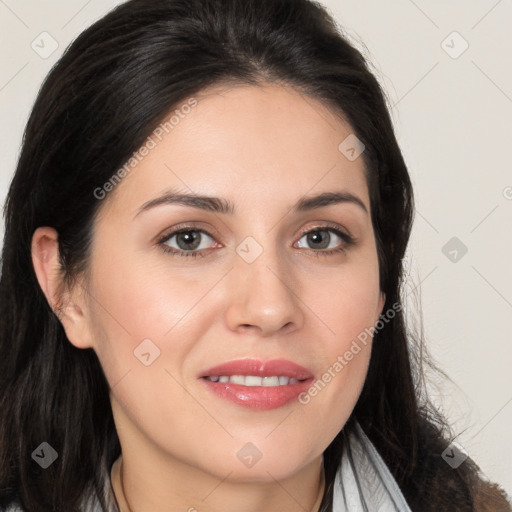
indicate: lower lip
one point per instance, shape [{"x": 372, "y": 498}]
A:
[{"x": 258, "y": 397}]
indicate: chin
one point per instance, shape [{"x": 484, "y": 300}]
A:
[{"x": 248, "y": 464}]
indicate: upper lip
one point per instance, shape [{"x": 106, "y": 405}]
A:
[{"x": 279, "y": 367}]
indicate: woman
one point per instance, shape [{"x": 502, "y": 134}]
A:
[{"x": 263, "y": 371}]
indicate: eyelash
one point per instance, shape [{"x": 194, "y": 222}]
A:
[{"x": 348, "y": 239}]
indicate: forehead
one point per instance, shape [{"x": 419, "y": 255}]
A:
[{"x": 251, "y": 141}]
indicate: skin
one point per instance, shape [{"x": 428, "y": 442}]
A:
[{"x": 262, "y": 148}]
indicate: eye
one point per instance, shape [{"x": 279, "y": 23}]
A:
[
  {"x": 322, "y": 238},
  {"x": 191, "y": 241},
  {"x": 186, "y": 242}
]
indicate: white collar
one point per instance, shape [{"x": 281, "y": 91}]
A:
[{"x": 363, "y": 482}]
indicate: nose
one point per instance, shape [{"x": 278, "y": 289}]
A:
[{"x": 263, "y": 296}]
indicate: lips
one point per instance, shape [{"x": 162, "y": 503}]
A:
[
  {"x": 259, "y": 368},
  {"x": 293, "y": 380}
]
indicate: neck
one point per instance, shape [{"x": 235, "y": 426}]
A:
[{"x": 273, "y": 496}]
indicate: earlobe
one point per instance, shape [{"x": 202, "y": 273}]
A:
[{"x": 69, "y": 309}]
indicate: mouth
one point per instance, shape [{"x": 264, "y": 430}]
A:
[
  {"x": 257, "y": 384},
  {"x": 254, "y": 380}
]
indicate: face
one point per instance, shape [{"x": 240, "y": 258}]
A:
[{"x": 260, "y": 279}]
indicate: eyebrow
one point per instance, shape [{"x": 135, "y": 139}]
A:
[{"x": 221, "y": 205}]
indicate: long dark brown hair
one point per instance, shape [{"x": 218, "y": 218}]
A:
[{"x": 111, "y": 88}]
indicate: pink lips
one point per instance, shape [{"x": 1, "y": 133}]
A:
[{"x": 258, "y": 397}]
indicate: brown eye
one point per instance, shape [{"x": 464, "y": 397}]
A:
[
  {"x": 320, "y": 239},
  {"x": 188, "y": 242}
]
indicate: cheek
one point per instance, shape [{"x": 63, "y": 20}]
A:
[
  {"x": 347, "y": 310},
  {"x": 345, "y": 301},
  {"x": 134, "y": 301},
  {"x": 147, "y": 322},
  {"x": 142, "y": 321}
]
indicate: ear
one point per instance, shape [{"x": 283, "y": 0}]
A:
[{"x": 69, "y": 305}]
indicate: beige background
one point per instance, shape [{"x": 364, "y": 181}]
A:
[{"x": 452, "y": 111}]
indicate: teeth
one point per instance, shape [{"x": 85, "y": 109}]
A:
[
  {"x": 237, "y": 379},
  {"x": 253, "y": 380},
  {"x": 270, "y": 381}
]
